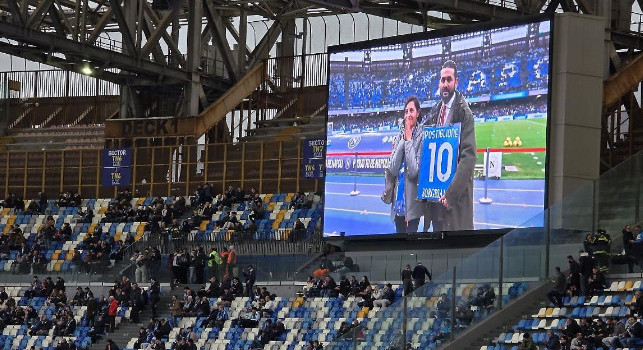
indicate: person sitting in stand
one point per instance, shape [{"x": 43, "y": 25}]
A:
[{"x": 596, "y": 281}]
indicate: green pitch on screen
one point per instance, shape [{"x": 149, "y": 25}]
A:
[{"x": 532, "y": 133}]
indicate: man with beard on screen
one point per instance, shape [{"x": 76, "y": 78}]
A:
[{"x": 454, "y": 210}]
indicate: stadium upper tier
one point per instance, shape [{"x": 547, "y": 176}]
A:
[
  {"x": 502, "y": 77},
  {"x": 53, "y": 238}
]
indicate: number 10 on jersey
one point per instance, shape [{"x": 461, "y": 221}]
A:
[{"x": 439, "y": 160}]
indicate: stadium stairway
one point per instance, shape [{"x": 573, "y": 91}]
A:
[
  {"x": 541, "y": 316},
  {"x": 501, "y": 321},
  {"x": 127, "y": 330}
]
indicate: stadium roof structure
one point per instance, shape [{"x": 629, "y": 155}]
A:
[{"x": 147, "y": 53}]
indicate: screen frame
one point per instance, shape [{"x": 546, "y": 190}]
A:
[{"x": 439, "y": 33}]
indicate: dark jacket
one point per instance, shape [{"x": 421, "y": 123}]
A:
[
  {"x": 552, "y": 343},
  {"x": 560, "y": 283},
  {"x": 459, "y": 216},
  {"x": 420, "y": 271}
]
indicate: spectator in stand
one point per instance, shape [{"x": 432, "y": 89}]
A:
[
  {"x": 85, "y": 216},
  {"x": 527, "y": 343},
  {"x": 629, "y": 246},
  {"x": 420, "y": 272},
  {"x": 618, "y": 330},
  {"x": 633, "y": 333},
  {"x": 573, "y": 285},
  {"x": 42, "y": 202},
  {"x": 443, "y": 306},
  {"x": 571, "y": 328},
  {"x": 250, "y": 276},
  {"x": 329, "y": 287},
  {"x": 407, "y": 279},
  {"x": 140, "y": 260},
  {"x": 386, "y": 298},
  {"x": 299, "y": 230},
  {"x": 113, "y": 308},
  {"x": 586, "y": 264},
  {"x": 579, "y": 342},
  {"x": 325, "y": 267},
  {"x": 464, "y": 314},
  {"x": 556, "y": 295},
  {"x": 111, "y": 345},
  {"x": 232, "y": 261},
  {"x": 636, "y": 309},
  {"x": 98, "y": 329},
  {"x": 596, "y": 281},
  {"x": 197, "y": 265},
  {"x": 367, "y": 298}
]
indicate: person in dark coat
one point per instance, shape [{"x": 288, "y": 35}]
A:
[
  {"x": 558, "y": 292},
  {"x": 420, "y": 272},
  {"x": 111, "y": 345},
  {"x": 629, "y": 245},
  {"x": 454, "y": 210},
  {"x": 407, "y": 279},
  {"x": 586, "y": 264},
  {"x": 574, "y": 275},
  {"x": 250, "y": 275},
  {"x": 552, "y": 342}
]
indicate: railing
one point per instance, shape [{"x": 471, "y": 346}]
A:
[
  {"x": 298, "y": 71},
  {"x": 160, "y": 171},
  {"x": 54, "y": 83},
  {"x": 515, "y": 264}
]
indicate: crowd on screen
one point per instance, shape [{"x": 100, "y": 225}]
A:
[
  {"x": 375, "y": 121},
  {"x": 498, "y": 74}
]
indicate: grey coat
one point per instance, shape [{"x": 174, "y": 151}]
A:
[
  {"x": 459, "y": 216},
  {"x": 410, "y": 152}
]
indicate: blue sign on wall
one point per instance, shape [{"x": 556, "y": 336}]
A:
[
  {"x": 439, "y": 160},
  {"x": 313, "y": 158},
  {"x": 117, "y": 164}
]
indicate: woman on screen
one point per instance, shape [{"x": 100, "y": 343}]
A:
[{"x": 406, "y": 210}]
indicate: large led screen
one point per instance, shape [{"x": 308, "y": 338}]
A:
[{"x": 438, "y": 132}]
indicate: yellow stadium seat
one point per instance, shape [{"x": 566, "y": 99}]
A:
[
  {"x": 204, "y": 225},
  {"x": 628, "y": 285},
  {"x": 69, "y": 255},
  {"x": 549, "y": 311},
  {"x": 117, "y": 236},
  {"x": 6, "y": 211},
  {"x": 298, "y": 302},
  {"x": 55, "y": 254},
  {"x": 58, "y": 265},
  {"x": 140, "y": 201},
  {"x": 92, "y": 227},
  {"x": 141, "y": 228}
]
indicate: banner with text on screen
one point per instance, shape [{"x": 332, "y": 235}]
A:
[
  {"x": 439, "y": 160},
  {"x": 313, "y": 158},
  {"x": 116, "y": 170}
]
